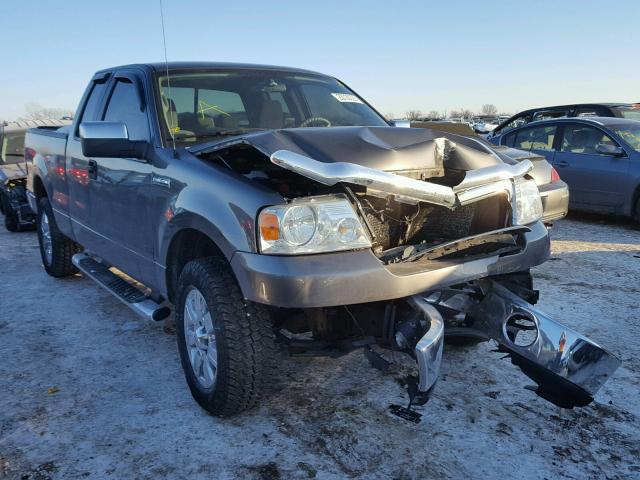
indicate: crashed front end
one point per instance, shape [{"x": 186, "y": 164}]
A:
[{"x": 409, "y": 254}]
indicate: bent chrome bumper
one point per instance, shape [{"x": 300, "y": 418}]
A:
[
  {"x": 567, "y": 367},
  {"x": 428, "y": 350}
]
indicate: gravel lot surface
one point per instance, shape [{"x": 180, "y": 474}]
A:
[{"x": 88, "y": 390}]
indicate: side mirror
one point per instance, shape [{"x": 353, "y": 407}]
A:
[
  {"x": 109, "y": 139},
  {"x": 400, "y": 123},
  {"x": 607, "y": 149}
]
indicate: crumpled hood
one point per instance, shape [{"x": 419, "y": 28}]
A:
[{"x": 382, "y": 148}]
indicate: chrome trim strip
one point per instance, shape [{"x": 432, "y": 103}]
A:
[
  {"x": 332, "y": 173},
  {"x": 476, "y": 185}
]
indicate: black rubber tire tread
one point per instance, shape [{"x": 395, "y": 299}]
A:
[
  {"x": 11, "y": 220},
  {"x": 63, "y": 247},
  {"x": 245, "y": 339}
]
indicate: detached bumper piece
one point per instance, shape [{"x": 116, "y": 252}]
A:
[
  {"x": 428, "y": 350},
  {"x": 567, "y": 367}
]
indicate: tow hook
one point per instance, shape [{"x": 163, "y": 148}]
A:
[{"x": 567, "y": 367}]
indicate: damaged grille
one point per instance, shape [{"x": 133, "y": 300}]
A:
[{"x": 396, "y": 225}]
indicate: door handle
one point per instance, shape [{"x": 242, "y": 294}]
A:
[
  {"x": 562, "y": 163},
  {"x": 92, "y": 169}
]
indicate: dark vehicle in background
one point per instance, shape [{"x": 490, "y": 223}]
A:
[
  {"x": 13, "y": 172},
  {"x": 268, "y": 202},
  {"x": 629, "y": 111},
  {"x": 598, "y": 157},
  {"x": 553, "y": 191}
]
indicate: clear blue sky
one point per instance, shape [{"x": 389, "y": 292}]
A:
[{"x": 398, "y": 54}]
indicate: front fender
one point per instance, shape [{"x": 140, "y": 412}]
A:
[{"x": 222, "y": 208}]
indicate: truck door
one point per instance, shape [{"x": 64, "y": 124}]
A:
[
  {"x": 119, "y": 187},
  {"x": 596, "y": 180},
  {"x": 75, "y": 194}
]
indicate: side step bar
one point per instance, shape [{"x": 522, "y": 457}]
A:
[{"x": 123, "y": 290}]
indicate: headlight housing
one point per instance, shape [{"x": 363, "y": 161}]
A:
[
  {"x": 325, "y": 223},
  {"x": 528, "y": 205}
]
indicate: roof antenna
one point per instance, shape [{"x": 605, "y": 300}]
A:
[{"x": 166, "y": 64}]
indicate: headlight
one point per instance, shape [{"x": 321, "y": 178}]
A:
[
  {"x": 325, "y": 223},
  {"x": 528, "y": 204}
]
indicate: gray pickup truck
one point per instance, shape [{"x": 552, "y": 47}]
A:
[{"x": 275, "y": 209}]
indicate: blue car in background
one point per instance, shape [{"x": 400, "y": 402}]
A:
[{"x": 598, "y": 157}]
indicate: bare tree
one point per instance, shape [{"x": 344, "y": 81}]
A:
[
  {"x": 434, "y": 114},
  {"x": 455, "y": 113},
  {"x": 489, "y": 109},
  {"x": 466, "y": 113},
  {"x": 413, "y": 115},
  {"x": 389, "y": 115},
  {"x": 35, "y": 111}
]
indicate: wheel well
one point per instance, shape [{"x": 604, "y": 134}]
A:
[
  {"x": 635, "y": 206},
  {"x": 38, "y": 188},
  {"x": 187, "y": 245}
]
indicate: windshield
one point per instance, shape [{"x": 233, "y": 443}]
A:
[
  {"x": 630, "y": 134},
  {"x": 201, "y": 105},
  {"x": 12, "y": 150}
]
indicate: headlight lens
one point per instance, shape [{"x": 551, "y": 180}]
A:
[
  {"x": 325, "y": 223},
  {"x": 528, "y": 204}
]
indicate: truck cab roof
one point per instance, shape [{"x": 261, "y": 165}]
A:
[{"x": 179, "y": 65}]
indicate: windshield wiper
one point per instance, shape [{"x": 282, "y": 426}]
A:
[{"x": 219, "y": 133}]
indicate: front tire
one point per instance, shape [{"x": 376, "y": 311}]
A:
[
  {"x": 56, "y": 249},
  {"x": 226, "y": 344},
  {"x": 11, "y": 220}
]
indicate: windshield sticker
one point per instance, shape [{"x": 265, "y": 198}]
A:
[{"x": 346, "y": 98}]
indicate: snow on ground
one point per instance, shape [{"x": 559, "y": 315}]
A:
[{"x": 88, "y": 390}]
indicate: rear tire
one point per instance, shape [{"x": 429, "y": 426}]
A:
[
  {"x": 236, "y": 333},
  {"x": 11, "y": 219},
  {"x": 56, "y": 249}
]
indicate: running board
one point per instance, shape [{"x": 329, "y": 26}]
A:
[{"x": 120, "y": 288}]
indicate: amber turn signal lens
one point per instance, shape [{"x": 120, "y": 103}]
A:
[{"x": 269, "y": 228}]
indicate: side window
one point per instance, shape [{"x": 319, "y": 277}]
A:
[
  {"x": 510, "y": 139},
  {"x": 90, "y": 111},
  {"x": 588, "y": 112},
  {"x": 536, "y": 138},
  {"x": 124, "y": 106},
  {"x": 550, "y": 114},
  {"x": 515, "y": 123},
  {"x": 584, "y": 139}
]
